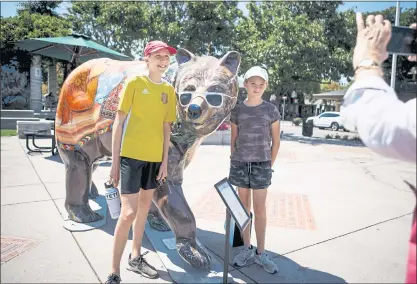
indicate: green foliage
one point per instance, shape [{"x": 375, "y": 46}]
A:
[
  {"x": 121, "y": 26},
  {"x": 300, "y": 43},
  {"x": 8, "y": 132},
  {"x": 209, "y": 27},
  {"x": 331, "y": 86},
  {"x": 201, "y": 27},
  {"x": 297, "y": 121},
  {"x": 39, "y": 7},
  {"x": 304, "y": 45},
  {"x": 33, "y": 20}
]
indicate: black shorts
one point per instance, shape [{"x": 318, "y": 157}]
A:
[
  {"x": 254, "y": 175},
  {"x": 136, "y": 174}
]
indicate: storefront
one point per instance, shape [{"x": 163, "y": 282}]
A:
[{"x": 330, "y": 101}]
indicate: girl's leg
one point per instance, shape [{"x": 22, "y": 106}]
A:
[
  {"x": 248, "y": 251},
  {"x": 245, "y": 197},
  {"x": 121, "y": 233},
  {"x": 259, "y": 207},
  {"x": 144, "y": 204}
]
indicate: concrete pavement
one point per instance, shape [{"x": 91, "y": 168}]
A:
[{"x": 336, "y": 214}]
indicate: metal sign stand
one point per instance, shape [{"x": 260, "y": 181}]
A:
[
  {"x": 226, "y": 247},
  {"x": 235, "y": 209}
]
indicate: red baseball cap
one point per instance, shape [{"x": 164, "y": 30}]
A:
[{"x": 156, "y": 45}]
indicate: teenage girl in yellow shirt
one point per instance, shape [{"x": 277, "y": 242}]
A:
[{"x": 140, "y": 143}]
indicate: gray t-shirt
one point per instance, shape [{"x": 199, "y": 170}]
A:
[{"x": 253, "y": 143}]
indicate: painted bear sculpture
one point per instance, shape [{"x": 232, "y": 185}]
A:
[{"x": 86, "y": 109}]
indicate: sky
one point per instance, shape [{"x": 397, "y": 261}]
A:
[{"x": 8, "y": 8}]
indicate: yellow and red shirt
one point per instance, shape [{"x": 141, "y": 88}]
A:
[{"x": 147, "y": 105}]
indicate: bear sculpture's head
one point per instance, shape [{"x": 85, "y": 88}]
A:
[{"x": 206, "y": 88}]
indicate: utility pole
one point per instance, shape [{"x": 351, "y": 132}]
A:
[{"x": 394, "y": 56}]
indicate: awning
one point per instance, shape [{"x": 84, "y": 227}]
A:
[{"x": 332, "y": 95}]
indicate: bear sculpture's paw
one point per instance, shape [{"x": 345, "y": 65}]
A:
[
  {"x": 158, "y": 223},
  {"x": 82, "y": 213},
  {"x": 193, "y": 253}
]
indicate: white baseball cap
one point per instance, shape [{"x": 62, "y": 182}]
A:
[{"x": 256, "y": 71}]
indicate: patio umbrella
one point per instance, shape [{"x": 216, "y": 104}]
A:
[{"x": 74, "y": 48}]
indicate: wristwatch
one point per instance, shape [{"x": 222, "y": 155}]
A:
[{"x": 367, "y": 64}]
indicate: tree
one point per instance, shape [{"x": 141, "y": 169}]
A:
[
  {"x": 202, "y": 27},
  {"x": 121, "y": 26},
  {"x": 29, "y": 24},
  {"x": 331, "y": 86},
  {"x": 39, "y": 7},
  {"x": 34, "y": 19},
  {"x": 166, "y": 21},
  {"x": 209, "y": 27},
  {"x": 300, "y": 43}
]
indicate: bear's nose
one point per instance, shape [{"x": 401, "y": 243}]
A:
[{"x": 194, "y": 111}]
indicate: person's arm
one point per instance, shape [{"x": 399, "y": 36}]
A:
[
  {"x": 170, "y": 117},
  {"x": 167, "y": 138},
  {"x": 125, "y": 103},
  {"x": 276, "y": 140},
  {"x": 275, "y": 131},
  {"x": 234, "y": 130},
  {"x": 117, "y": 136},
  {"x": 233, "y": 136},
  {"x": 384, "y": 123}
]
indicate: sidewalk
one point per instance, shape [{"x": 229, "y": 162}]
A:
[{"x": 336, "y": 214}]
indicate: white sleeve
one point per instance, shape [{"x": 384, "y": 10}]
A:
[{"x": 384, "y": 123}]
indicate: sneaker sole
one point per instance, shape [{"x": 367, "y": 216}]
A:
[
  {"x": 258, "y": 262},
  {"x": 141, "y": 273}
]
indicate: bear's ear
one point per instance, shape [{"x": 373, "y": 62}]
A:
[
  {"x": 183, "y": 56},
  {"x": 231, "y": 61}
]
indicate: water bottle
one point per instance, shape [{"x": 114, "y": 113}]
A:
[{"x": 113, "y": 200}]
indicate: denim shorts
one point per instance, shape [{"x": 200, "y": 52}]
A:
[{"x": 254, "y": 175}]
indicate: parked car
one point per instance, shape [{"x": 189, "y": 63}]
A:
[
  {"x": 224, "y": 126},
  {"x": 328, "y": 119}
]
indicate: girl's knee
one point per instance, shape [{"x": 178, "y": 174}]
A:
[
  {"x": 128, "y": 216},
  {"x": 260, "y": 211}
]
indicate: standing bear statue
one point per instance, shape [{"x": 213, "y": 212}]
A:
[{"x": 206, "y": 89}]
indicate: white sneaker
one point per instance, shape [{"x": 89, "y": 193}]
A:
[
  {"x": 243, "y": 256},
  {"x": 265, "y": 260}
]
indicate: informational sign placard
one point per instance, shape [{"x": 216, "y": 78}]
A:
[
  {"x": 171, "y": 243},
  {"x": 233, "y": 203},
  {"x": 37, "y": 72}
]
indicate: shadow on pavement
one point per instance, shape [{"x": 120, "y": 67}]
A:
[
  {"x": 109, "y": 229},
  {"x": 314, "y": 141},
  {"x": 290, "y": 271},
  {"x": 56, "y": 158},
  {"x": 111, "y": 225}
]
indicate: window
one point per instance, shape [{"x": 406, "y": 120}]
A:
[{"x": 329, "y": 115}]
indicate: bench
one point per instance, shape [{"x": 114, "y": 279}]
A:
[
  {"x": 40, "y": 134},
  {"x": 40, "y": 149}
]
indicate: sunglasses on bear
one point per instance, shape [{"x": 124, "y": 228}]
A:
[{"x": 212, "y": 98}]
